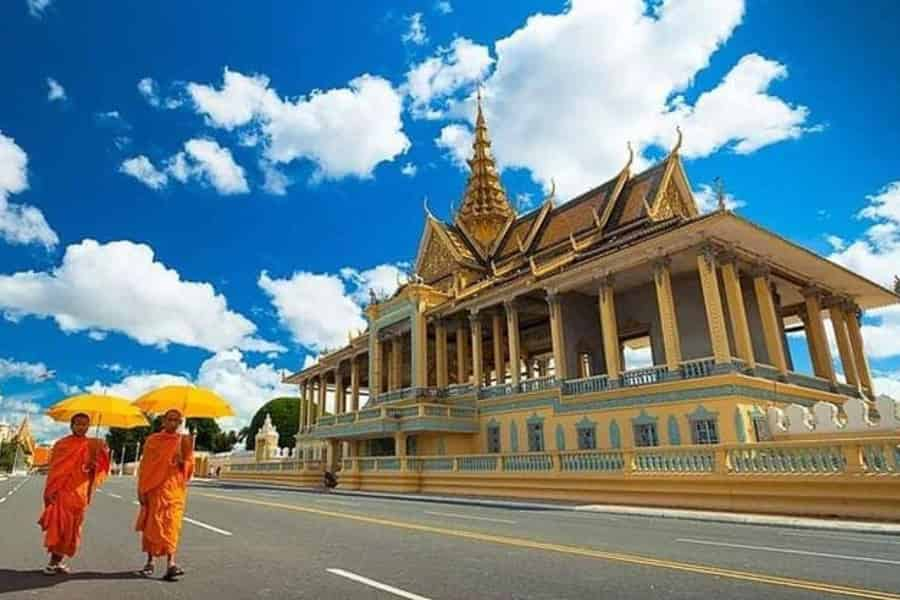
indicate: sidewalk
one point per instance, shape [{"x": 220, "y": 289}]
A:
[{"x": 789, "y": 522}]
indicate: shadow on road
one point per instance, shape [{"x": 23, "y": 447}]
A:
[{"x": 12, "y": 580}]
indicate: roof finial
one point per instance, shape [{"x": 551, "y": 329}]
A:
[
  {"x": 720, "y": 192},
  {"x": 677, "y": 147},
  {"x": 425, "y": 204},
  {"x": 630, "y": 157},
  {"x": 552, "y": 190}
]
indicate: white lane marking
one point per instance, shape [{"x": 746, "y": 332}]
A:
[
  {"x": 113, "y": 495},
  {"x": 375, "y": 584},
  {"x": 135, "y": 502},
  {"x": 205, "y": 526},
  {"x": 849, "y": 538},
  {"x": 343, "y": 502},
  {"x": 791, "y": 551},
  {"x": 443, "y": 514},
  {"x": 2, "y": 500}
]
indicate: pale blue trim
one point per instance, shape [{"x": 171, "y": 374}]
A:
[
  {"x": 615, "y": 436},
  {"x": 560, "y": 437},
  {"x": 586, "y": 423},
  {"x": 739, "y": 425},
  {"x": 513, "y": 437},
  {"x": 674, "y": 432},
  {"x": 535, "y": 419},
  {"x": 644, "y": 419},
  {"x": 702, "y": 414},
  {"x": 442, "y": 446}
]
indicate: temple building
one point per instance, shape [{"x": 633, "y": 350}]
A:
[{"x": 622, "y": 319}]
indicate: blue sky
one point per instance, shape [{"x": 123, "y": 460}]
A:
[{"x": 207, "y": 191}]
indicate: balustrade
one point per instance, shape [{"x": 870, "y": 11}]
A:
[
  {"x": 701, "y": 367},
  {"x": 610, "y": 461},
  {"x": 644, "y": 376},
  {"x": 586, "y": 385}
]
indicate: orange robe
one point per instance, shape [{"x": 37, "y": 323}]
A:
[
  {"x": 164, "y": 482},
  {"x": 67, "y": 493}
]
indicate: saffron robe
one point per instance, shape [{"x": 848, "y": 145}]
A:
[
  {"x": 77, "y": 466},
  {"x": 164, "y": 483}
]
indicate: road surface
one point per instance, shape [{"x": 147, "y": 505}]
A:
[{"x": 263, "y": 542}]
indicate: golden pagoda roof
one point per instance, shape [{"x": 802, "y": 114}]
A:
[{"x": 485, "y": 212}]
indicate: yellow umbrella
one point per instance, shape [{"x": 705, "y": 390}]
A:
[
  {"x": 191, "y": 402},
  {"x": 106, "y": 411}
]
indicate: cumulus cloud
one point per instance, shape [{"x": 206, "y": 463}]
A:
[
  {"x": 456, "y": 140},
  {"x": 201, "y": 160},
  {"x": 246, "y": 388},
  {"x": 54, "y": 90},
  {"x": 416, "y": 33},
  {"x": 149, "y": 90},
  {"x": 20, "y": 224},
  {"x": 409, "y": 169},
  {"x": 122, "y": 287},
  {"x": 344, "y": 132},
  {"x": 708, "y": 199},
  {"x": 569, "y": 89},
  {"x": 319, "y": 309},
  {"x": 143, "y": 170},
  {"x": 439, "y": 76},
  {"x": 31, "y": 372},
  {"x": 443, "y": 7}
]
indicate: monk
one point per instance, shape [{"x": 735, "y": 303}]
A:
[
  {"x": 78, "y": 465},
  {"x": 165, "y": 469}
]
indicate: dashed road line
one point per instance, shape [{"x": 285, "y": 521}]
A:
[
  {"x": 376, "y": 584},
  {"x": 207, "y": 526},
  {"x": 458, "y": 516},
  {"x": 790, "y": 551}
]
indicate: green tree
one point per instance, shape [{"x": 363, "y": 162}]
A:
[
  {"x": 7, "y": 456},
  {"x": 209, "y": 437},
  {"x": 285, "y": 413}
]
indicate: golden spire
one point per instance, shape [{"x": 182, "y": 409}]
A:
[{"x": 485, "y": 209}]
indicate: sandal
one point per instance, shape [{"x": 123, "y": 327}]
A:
[
  {"x": 62, "y": 569},
  {"x": 49, "y": 570},
  {"x": 172, "y": 573},
  {"x": 147, "y": 571}
]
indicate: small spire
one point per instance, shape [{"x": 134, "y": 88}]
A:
[
  {"x": 425, "y": 204},
  {"x": 630, "y": 157},
  {"x": 677, "y": 146},
  {"x": 720, "y": 192}
]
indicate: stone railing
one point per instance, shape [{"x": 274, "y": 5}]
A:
[
  {"x": 854, "y": 416},
  {"x": 523, "y": 387},
  {"x": 585, "y": 385},
  {"x": 460, "y": 389},
  {"x": 275, "y": 466},
  {"x": 700, "y": 367},
  {"x": 645, "y": 376},
  {"x": 846, "y": 457}
]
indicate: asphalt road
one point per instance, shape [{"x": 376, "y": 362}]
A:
[{"x": 263, "y": 542}]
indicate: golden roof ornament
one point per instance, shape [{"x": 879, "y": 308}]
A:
[{"x": 485, "y": 210}]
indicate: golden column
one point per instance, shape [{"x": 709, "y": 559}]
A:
[
  {"x": 354, "y": 384},
  {"x": 610, "y": 328},
  {"x": 302, "y": 419},
  {"x": 396, "y": 363},
  {"x": 665, "y": 301},
  {"x": 307, "y": 392},
  {"x": 377, "y": 369},
  {"x": 497, "y": 333},
  {"x": 440, "y": 352},
  {"x": 477, "y": 354},
  {"x": 512, "y": 334},
  {"x": 851, "y": 318},
  {"x": 339, "y": 407},
  {"x": 769, "y": 315},
  {"x": 815, "y": 332},
  {"x": 319, "y": 410},
  {"x": 737, "y": 311},
  {"x": 462, "y": 352},
  {"x": 418, "y": 343},
  {"x": 712, "y": 300},
  {"x": 557, "y": 335},
  {"x": 842, "y": 336}
]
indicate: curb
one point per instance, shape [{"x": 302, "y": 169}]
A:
[{"x": 787, "y": 522}]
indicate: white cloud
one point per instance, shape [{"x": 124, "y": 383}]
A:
[
  {"x": 609, "y": 72},
  {"x": 202, "y": 160},
  {"x": 345, "y": 132},
  {"x": 443, "y": 7},
  {"x": 20, "y": 224},
  {"x": 32, "y": 372},
  {"x": 37, "y": 7},
  {"x": 319, "y": 309},
  {"x": 149, "y": 90},
  {"x": 54, "y": 90},
  {"x": 888, "y": 384},
  {"x": 276, "y": 182},
  {"x": 457, "y": 141},
  {"x": 837, "y": 244},
  {"x": 122, "y": 287},
  {"x": 227, "y": 373},
  {"x": 409, "y": 169},
  {"x": 215, "y": 164},
  {"x": 416, "y": 33},
  {"x": 708, "y": 199},
  {"x": 439, "y": 76},
  {"x": 143, "y": 170}
]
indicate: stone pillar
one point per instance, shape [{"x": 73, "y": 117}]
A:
[
  {"x": 815, "y": 333},
  {"x": 770, "y": 317},
  {"x": 339, "y": 401},
  {"x": 440, "y": 352},
  {"x": 712, "y": 300},
  {"x": 610, "y": 328},
  {"x": 354, "y": 384},
  {"x": 512, "y": 334},
  {"x": 302, "y": 419},
  {"x": 557, "y": 335},
  {"x": 400, "y": 444},
  {"x": 462, "y": 353},
  {"x": 665, "y": 301},
  {"x": 477, "y": 354},
  {"x": 396, "y": 363},
  {"x": 497, "y": 334},
  {"x": 851, "y": 318},
  {"x": 842, "y": 336},
  {"x": 307, "y": 405},
  {"x": 737, "y": 311},
  {"x": 418, "y": 338}
]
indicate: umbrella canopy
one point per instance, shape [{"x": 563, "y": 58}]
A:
[
  {"x": 191, "y": 402},
  {"x": 105, "y": 411}
]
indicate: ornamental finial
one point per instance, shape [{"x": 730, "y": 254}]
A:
[
  {"x": 425, "y": 204},
  {"x": 677, "y": 146},
  {"x": 630, "y": 157}
]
